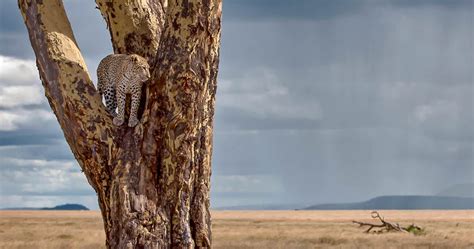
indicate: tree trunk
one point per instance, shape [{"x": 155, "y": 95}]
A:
[{"x": 152, "y": 180}]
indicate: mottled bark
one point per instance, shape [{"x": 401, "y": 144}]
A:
[
  {"x": 152, "y": 180},
  {"x": 134, "y": 26}
]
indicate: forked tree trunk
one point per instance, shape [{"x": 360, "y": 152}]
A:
[{"x": 152, "y": 180}]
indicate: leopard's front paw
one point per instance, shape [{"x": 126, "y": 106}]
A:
[
  {"x": 118, "y": 121},
  {"x": 132, "y": 122}
]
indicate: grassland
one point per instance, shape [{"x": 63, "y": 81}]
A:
[{"x": 251, "y": 229}]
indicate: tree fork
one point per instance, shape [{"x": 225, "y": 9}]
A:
[
  {"x": 135, "y": 26},
  {"x": 152, "y": 180}
]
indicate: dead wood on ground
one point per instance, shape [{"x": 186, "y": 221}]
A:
[{"x": 386, "y": 226}]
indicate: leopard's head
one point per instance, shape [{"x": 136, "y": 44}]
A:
[{"x": 140, "y": 67}]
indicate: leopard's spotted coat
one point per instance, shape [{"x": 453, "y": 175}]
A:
[{"x": 119, "y": 75}]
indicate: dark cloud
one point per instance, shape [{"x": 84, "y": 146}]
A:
[
  {"x": 13, "y": 39},
  {"x": 354, "y": 163},
  {"x": 233, "y": 118},
  {"x": 428, "y": 3},
  {"x": 16, "y": 45},
  {"x": 385, "y": 44},
  {"x": 318, "y": 101},
  {"x": 10, "y": 17},
  {"x": 38, "y": 168},
  {"x": 395, "y": 96},
  {"x": 29, "y": 137},
  {"x": 251, "y": 10},
  {"x": 245, "y": 10},
  {"x": 94, "y": 40}
]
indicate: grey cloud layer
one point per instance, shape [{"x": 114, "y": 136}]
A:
[
  {"x": 321, "y": 9},
  {"x": 331, "y": 100},
  {"x": 302, "y": 9},
  {"x": 29, "y": 132},
  {"x": 378, "y": 97}
]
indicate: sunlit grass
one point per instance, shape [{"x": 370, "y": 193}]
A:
[{"x": 251, "y": 229}]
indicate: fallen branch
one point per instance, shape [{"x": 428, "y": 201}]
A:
[{"x": 386, "y": 226}]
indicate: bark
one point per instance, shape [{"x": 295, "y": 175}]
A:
[
  {"x": 152, "y": 180},
  {"x": 134, "y": 26}
]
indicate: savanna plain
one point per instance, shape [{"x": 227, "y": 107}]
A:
[{"x": 253, "y": 229}]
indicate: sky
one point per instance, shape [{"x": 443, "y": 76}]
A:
[{"x": 318, "y": 101}]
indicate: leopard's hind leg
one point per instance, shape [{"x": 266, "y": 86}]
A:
[
  {"x": 110, "y": 100},
  {"x": 136, "y": 95},
  {"x": 120, "y": 118}
]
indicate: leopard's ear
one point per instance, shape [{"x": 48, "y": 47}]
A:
[{"x": 134, "y": 58}]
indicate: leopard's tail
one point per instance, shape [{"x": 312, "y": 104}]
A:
[
  {"x": 100, "y": 87},
  {"x": 100, "y": 83}
]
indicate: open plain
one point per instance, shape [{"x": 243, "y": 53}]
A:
[{"x": 253, "y": 229}]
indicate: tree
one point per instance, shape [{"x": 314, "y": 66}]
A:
[{"x": 152, "y": 181}]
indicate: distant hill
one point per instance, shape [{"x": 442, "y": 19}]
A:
[
  {"x": 67, "y": 207},
  {"x": 402, "y": 202},
  {"x": 458, "y": 190},
  {"x": 59, "y": 207}
]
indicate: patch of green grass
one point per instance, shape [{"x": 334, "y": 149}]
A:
[{"x": 416, "y": 230}]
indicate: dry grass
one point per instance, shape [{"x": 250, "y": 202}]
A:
[
  {"x": 51, "y": 229},
  {"x": 333, "y": 229},
  {"x": 251, "y": 229}
]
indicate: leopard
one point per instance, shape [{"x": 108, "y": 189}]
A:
[{"x": 119, "y": 75}]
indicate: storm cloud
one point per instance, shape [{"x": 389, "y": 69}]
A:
[{"x": 317, "y": 101}]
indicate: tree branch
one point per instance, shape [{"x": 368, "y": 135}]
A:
[
  {"x": 78, "y": 107},
  {"x": 134, "y": 26}
]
